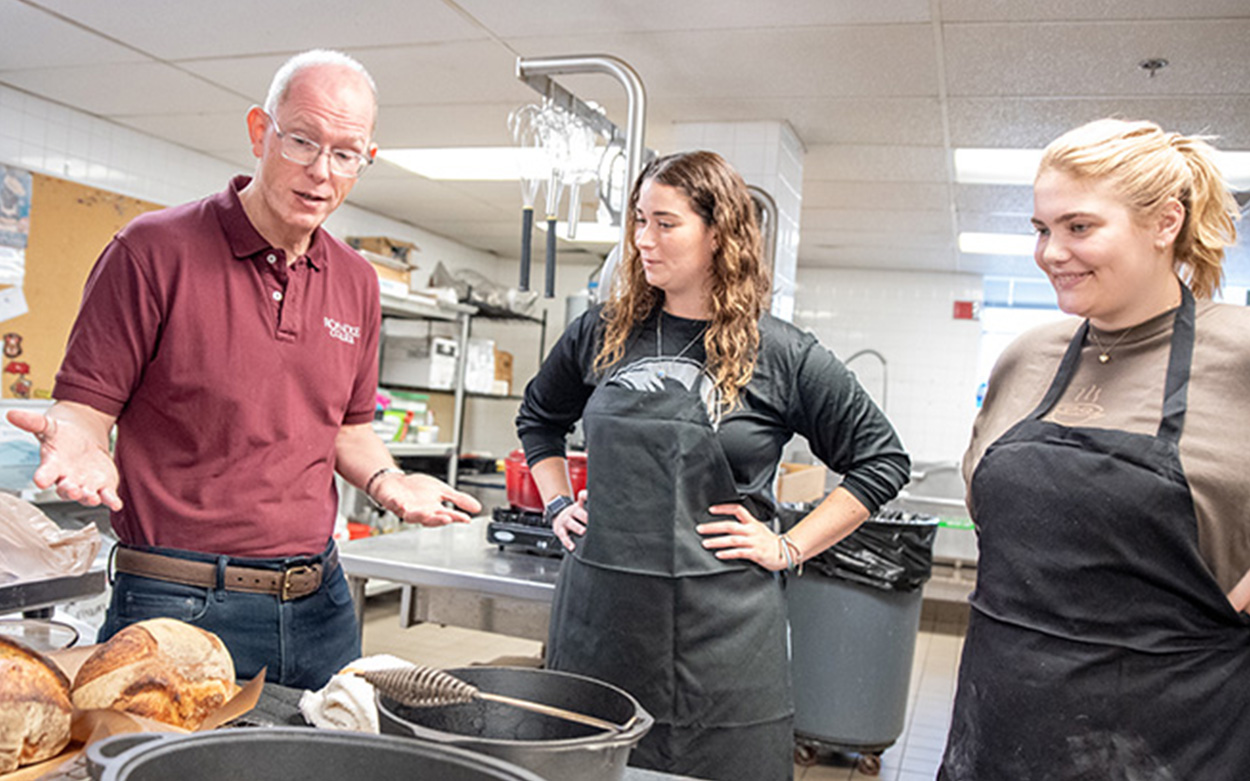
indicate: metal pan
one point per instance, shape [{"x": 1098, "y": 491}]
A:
[
  {"x": 289, "y": 754},
  {"x": 556, "y": 749}
]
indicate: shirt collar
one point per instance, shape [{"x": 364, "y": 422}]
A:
[{"x": 244, "y": 240}]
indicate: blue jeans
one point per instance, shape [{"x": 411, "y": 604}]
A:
[{"x": 301, "y": 643}]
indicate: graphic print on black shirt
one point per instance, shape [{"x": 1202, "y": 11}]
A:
[{"x": 647, "y": 375}]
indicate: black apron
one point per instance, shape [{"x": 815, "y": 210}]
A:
[
  {"x": 1099, "y": 646},
  {"x": 642, "y": 604}
]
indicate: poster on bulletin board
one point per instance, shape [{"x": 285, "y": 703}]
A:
[
  {"x": 62, "y": 227},
  {"x": 15, "y": 187}
]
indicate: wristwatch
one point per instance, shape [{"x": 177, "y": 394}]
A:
[{"x": 555, "y": 507}]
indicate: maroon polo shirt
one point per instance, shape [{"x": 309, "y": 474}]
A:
[{"x": 230, "y": 374}]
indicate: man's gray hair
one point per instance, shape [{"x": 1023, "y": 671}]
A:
[{"x": 282, "y": 79}]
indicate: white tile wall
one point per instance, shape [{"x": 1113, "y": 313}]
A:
[{"x": 931, "y": 358}]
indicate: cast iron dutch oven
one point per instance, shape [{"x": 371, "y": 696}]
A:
[
  {"x": 289, "y": 754},
  {"x": 554, "y": 748}
]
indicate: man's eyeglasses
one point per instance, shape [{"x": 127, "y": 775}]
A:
[{"x": 304, "y": 151}]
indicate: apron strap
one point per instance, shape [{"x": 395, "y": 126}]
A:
[
  {"x": 1176, "y": 392},
  {"x": 1067, "y": 367}
]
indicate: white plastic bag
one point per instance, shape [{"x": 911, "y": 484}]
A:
[{"x": 33, "y": 547}]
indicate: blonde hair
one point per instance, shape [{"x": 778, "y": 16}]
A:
[
  {"x": 739, "y": 287},
  {"x": 1146, "y": 166}
]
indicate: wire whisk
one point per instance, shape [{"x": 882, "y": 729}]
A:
[{"x": 422, "y": 687}]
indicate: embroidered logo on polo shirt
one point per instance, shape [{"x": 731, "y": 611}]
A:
[{"x": 342, "y": 331}]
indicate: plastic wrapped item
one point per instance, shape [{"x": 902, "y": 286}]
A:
[
  {"x": 478, "y": 290},
  {"x": 33, "y": 547},
  {"x": 891, "y": 551}
]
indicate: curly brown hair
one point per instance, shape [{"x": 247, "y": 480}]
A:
[{"x": 739, "y": 288}]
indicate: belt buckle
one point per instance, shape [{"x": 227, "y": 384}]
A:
[{"x": 302, "y": 569}]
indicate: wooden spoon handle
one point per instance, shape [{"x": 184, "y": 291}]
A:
[{"x": 559, "y": 713}]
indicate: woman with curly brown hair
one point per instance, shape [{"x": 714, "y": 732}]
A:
[
  {"x": 1108, "y": 637},
  {"x": 689, "y": 391}
]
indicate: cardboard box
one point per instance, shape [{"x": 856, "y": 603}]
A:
[
  {"x": 799, "y": 483},
  {"x": 394, "y": 277},
  {"x": 403, "y": 251},
  {"x": 503, "y": 372}
]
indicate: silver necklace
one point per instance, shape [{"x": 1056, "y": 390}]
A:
[
  {"x": 1104, "y": 353},
  {"x": 659, "y": 338}
]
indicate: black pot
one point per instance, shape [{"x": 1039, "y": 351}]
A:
[
  {"x": 288, "y": 754},
  {"x": 554, "y": 748}
]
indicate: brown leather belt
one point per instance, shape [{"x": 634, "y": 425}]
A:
[{"x": 291, "y": 583}]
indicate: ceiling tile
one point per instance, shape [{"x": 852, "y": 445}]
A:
[
  {"x": 129, "y": 88},
  {"x": 821, "y": 194},
  {"x": 875, "y": 163},
  {"x": 179, "y": 30},
  {"x": 28, "y": 31},
  {"x": 1000, "y": 265},
  {"x": 817, "y": 121},
  {"x": 910, "y": 221},
  {"x": 574, "y": 17},
  {"x": 1096, "y": 59},
  {"x": 1035, "y": 122},
  {"x": 874, "y": 60},
  {"x": 994, "y": 198},
  {"x": 816, "y": 239},
  {"x": 215, "y": 132},
  {"x": 1066, "y": 10},
  {"x": 985, "y": 222},
  {"x": 883, "y": 258}
]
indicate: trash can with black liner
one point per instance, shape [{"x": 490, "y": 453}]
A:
[{"x": 854, "y": 615}]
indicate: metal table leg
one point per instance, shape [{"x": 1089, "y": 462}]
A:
[{"x": 357, "y": 586}]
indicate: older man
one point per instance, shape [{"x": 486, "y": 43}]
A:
[{"x": 234, "y": 344}]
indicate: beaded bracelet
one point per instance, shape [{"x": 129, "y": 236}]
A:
[{"x": 386, "y": 470}]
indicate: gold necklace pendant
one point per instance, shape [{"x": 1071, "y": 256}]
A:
[{"x": 1104, "y": 353}]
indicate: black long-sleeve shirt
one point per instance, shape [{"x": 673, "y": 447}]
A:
[{"x": 799, "y": 387}]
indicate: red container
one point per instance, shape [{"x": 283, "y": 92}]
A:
[{"x": 523, "y": 493}]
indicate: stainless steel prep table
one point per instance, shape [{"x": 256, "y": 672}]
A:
[{"x": 455, "y": 557}]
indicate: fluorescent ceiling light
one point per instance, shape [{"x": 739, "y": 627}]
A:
[
  {"x": 996, "y": 166},
  {"x": 1019, "y": 166},
  {"x": 587, "y": 232},
  {"x": 1236, "y": 168},
  {"x": 997, "y": 244},
  {"x": 471, "y": 163}
]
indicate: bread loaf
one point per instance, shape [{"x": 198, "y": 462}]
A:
[
  {"x": 34, "y": 706},
  {"x": 162, "y": 669}
]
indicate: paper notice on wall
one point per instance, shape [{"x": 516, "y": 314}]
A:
[
  {"x": 15, "y": 189},
  {"x": 12, "y": 266},
  {"x": 12, "y": 303}
]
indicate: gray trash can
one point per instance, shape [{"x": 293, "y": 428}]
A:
[{"x": 854, "y": 615}]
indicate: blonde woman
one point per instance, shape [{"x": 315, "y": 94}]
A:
[
  {"x": 689, "y": 392},
  {"x": 1106, "y": 474}
]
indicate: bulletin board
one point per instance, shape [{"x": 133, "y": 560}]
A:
[{"x": 70, "y": 224}]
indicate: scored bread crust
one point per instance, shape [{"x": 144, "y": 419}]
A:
[
  {"x": 35, "y": 710},
  {"x": 162, "y": 669}
]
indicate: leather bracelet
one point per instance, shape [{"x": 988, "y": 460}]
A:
[{"x": 386, "y": 470}]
